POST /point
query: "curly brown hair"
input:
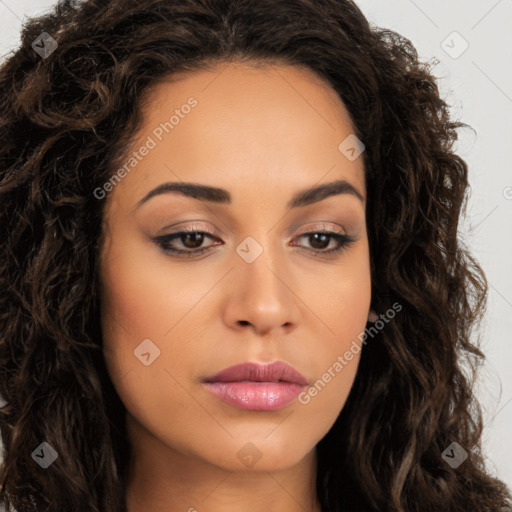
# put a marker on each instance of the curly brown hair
(67, 119)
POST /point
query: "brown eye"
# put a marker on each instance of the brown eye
(320, 240)
(191, 240)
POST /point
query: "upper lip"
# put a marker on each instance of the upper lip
(271, 372)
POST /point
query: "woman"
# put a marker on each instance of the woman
(231, 274)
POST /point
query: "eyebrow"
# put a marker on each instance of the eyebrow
(222, 196)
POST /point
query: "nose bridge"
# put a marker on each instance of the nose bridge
(260, 266)
(262, 292)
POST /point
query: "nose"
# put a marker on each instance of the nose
(263, 296)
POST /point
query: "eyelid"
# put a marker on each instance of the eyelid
(325, 226)
(313, 226)
(173, 228)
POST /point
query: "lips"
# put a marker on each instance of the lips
(256, 386)
(273, 372)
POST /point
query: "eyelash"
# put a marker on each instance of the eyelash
(344, 241)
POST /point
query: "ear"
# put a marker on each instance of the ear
(372, 317)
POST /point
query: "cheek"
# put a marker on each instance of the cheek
(336, 361)
(342, 304)
(327, 395)
(145, 293)
(140, 298)
(129, 309)
(341, 299)
(141, 301)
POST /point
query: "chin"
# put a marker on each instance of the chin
(258, 456)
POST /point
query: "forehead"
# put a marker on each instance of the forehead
(235, 125)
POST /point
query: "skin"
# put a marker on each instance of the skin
(262, 133)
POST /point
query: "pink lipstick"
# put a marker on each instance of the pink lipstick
(258, 387)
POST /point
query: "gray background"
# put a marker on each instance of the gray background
(477, 83)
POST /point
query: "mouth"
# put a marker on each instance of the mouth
(258, 387)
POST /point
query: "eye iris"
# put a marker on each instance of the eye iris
(197, 239)
(315, 237)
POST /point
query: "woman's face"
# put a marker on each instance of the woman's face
(259, 292)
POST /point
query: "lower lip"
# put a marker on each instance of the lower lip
(256, 396)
